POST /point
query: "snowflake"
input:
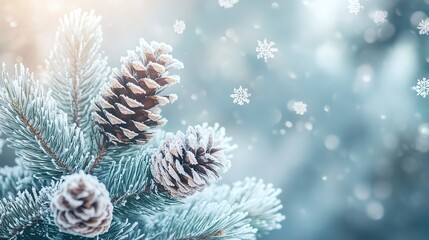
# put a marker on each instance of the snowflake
(300, 108)
(379, 16)
(354, 6)
(423, 27)
(265, 49)
(422, 87)
(227, 3)
(179, 27)
(241, 96)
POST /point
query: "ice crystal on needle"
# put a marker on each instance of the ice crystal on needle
(265, 49)
(241, 96)
(422, 87)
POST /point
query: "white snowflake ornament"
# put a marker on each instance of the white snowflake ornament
(423, 27)
(354, 7)
(422, 87)
(266, 49)
(379, 16)
(300, 108)
(179, 27)
(227, 3)
(241, 96)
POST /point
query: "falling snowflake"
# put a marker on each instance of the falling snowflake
(423, 27)
(354, 6)
(227, 3)
(422, 87)
(300, 108)
(240, 96)
(265, 49)
(179, 27)
(379, 16)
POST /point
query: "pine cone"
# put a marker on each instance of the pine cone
(82, 206)
(128, 111)
(186, 163)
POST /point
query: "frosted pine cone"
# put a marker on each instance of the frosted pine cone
(82, 206)
(128, 111)
(186, 163)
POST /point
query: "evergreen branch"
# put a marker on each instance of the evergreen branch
(40, 139)
(131, 190)
(13, 180)
(34, 126)
(119, 230)
(77, 67)
(252, 196)
(20, 214)
(200, 220)
(100, 154)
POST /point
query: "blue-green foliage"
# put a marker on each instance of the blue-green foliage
(201, 220)
(129, 183)
(52, 139)
(13, 180)
(48, 145)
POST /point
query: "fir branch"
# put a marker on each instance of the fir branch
(77, 67)
(13, 180)
(40, 139)
(129, 183)
(252, 196)
(37, 129)
(20, 214)
(200, 220)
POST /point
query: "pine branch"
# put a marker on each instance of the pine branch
(129, 183)
(13, 180)
(77, 67)
(20, 214)
(252, 196)
(200, 220)
(48, 146)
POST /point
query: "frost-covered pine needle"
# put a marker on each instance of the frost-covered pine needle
(266, 49)
(300, 108)
(423, 27)
(227, 3)
(354, 6)
(422, 87)
(241, 96)
(179, 27)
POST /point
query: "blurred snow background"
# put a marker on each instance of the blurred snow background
(353, 167)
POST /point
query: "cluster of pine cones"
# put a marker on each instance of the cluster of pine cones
(128, 112)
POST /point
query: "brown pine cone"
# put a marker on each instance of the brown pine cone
(82, 206)
(128, 110)
(186, 163)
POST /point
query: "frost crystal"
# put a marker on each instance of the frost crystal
(422, 87)
(265, 49)
(241, 96)
(354, 6)
(379, 16)
(179, 27)
(227, 3)
(423, 27)
(300, 108)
